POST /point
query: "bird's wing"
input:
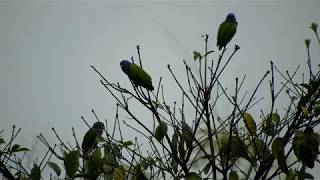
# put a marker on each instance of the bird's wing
(226, 32)
(139, 76)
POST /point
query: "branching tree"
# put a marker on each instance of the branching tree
(186, 138)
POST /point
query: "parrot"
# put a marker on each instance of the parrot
(136, 74)
(226, 31)
(90, 138)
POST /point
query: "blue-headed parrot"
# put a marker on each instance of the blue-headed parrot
(90, 140)
(226, 31)
(136, 74)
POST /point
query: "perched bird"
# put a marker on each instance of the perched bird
(226, 31)
(89, 141)
(136, 74)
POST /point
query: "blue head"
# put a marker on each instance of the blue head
(98, 127)
(125, 66)
(231, 17)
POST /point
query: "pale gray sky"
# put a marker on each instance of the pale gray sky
(46, 50)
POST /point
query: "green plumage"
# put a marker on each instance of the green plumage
(89, 141)
(140, 77)
(226, 31)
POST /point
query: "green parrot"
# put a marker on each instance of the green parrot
(90, 138)
(226, 31)
(136, 74)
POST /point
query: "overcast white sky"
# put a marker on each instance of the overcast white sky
(46, 50)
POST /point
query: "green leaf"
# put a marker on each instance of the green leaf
(268, 127)
(161, 131)
(96, 155)
(71, 162)
(14, 148)
(314, 26)
(174, 165)
(119, 173)
(110, 159)
(196, 55)
(127, 143)
(233, 175)
(236, 145)
(308, 176)
(2, 141)
(275, 118)
(306, 146)
(269, 124)
(55, 168)
(305, 111)
(302, 174)
(297, 143)
(193, 176)
(175, 142)
(223, 138)
(23, 149)
(233, 146)
(307, 86)
(278, 153)
(261, 151)
(94, 164)
(112, 148)
(291, 175)
(250, 124)
(187, 134)
(182, 151)
(310, 148)
(233, 149)
(35, 172)
(307, 42)
(206, 169)
(94, 169)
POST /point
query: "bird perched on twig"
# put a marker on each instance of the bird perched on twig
(136, 74)
(227, 30)
(90, 140)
